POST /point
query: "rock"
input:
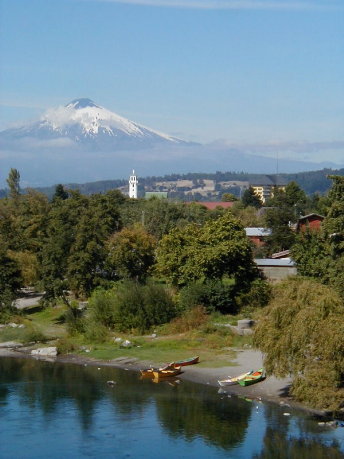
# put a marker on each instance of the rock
(2, 325)
(126, 343)
(154, 335)
(118, 340)
(21, 326)
(13, 325)
(10, 345)
(111, 383)
(45, 351)
(245, 323)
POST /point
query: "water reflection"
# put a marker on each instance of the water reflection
(182, 412)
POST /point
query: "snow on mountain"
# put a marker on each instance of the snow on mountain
(83, 121)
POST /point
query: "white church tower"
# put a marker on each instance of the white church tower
(133, 186)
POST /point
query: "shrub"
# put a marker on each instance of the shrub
(66, 345)
(257, 297)
(102, 305)
(189, 320)
(213, 295)
(95, 332)
(139, 307)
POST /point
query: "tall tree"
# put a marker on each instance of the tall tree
(130, 253)
(13, 182)
(279, 218)
(218, 248)
(10, 279)
(249, 198)
(301, 332)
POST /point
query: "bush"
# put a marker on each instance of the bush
(73, 319)
(129, 306)
(189, 320)
(96, 332)
(34, 335)
(213, 295)
(102, 305)
(258, 296)
(65, 345)
(139, 307)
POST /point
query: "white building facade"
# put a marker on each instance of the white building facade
(133, 182)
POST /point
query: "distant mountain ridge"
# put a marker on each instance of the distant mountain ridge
(84, 142)
(311, 181)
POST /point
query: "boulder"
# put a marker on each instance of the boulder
(245, 323)
(126, 343)
(10, 345)
(45, 352)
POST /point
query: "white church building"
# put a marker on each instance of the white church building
(133, 182)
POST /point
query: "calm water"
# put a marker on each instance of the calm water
(68, 411)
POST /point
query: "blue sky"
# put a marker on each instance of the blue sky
(261, 75)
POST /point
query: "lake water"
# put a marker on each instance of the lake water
(68, 411)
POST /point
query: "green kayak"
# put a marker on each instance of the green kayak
(253, 378)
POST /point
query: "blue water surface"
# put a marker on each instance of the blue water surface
(54, 410)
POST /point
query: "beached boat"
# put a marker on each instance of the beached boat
(149, 372)
(253, 378)
(235, 380)
(184, 363)
(159, 374)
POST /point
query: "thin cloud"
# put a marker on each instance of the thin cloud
(231, 4)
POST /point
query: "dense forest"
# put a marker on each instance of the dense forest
(141, 263)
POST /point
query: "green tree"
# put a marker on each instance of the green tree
(249, 198)
(301, 332)
(60, 193)
(13, 182)
(228, 197)
(218, 248)
(279, 218)
(10, 280)
(86, 262)
(130, 253)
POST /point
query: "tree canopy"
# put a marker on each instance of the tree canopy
(301, 332)
(218, 248)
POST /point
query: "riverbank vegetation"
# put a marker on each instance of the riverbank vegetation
(177, 271)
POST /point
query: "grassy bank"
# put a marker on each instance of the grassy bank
(211, 340)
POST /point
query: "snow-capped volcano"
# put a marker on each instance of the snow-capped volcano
(83, 121)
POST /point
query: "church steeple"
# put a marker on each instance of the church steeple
(133, 186)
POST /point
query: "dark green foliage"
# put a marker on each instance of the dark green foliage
(213, 295)
(131, 306)
(278, 218)
(249, 198)
(13, 182)
(257, 296)
(218, 248)
(60, 193)
(10, 280)
(130, 254)
(301, 332)
(320, 254)
(141, 307)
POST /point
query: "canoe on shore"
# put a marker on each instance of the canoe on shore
(253, 378)
(160, 374)
(184, 363)
(235, 380)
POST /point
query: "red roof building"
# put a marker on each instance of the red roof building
(309, 222)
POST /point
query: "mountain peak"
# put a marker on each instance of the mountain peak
(82, 103)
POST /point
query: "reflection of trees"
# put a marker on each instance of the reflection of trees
(194, 411)
(279, 443)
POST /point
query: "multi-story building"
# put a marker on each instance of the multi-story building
(264, 186)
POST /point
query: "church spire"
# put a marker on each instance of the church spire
(133, 186)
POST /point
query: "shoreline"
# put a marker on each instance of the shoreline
(270, 390)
